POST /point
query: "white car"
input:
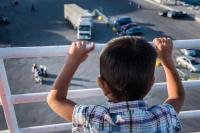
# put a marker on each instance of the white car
(182, 75)
(190, 52)
(190, 63)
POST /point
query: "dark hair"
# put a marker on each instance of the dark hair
(127, 65)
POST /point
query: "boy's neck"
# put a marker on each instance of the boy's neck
(114, 100)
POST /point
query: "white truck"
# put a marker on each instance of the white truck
(80, 19)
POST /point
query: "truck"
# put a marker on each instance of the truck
(80, 19)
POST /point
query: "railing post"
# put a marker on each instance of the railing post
(5, 95)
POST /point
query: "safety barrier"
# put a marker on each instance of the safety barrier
(8, 100)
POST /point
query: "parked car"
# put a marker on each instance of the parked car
(127, 26)
(3, 20)
(191, 52)
(189, 63)
(134, 31)
(163, 13)
(122, 21)
(172, 14)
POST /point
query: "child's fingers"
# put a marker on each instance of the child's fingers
(73, 44)
(78, 44)
(158, 43)
(83, 44)
(91, 47)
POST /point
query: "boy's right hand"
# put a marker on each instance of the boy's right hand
(164, 48)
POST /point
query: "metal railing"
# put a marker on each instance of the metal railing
(8, 100)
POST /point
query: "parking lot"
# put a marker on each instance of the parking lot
(46, 26)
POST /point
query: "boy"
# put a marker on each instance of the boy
(126, 75)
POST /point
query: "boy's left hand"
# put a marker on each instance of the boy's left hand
(79, 52)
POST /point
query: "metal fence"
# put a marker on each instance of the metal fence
(7, 100)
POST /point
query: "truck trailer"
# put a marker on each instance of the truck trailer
(81, 20)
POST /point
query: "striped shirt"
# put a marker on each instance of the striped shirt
(125, 117)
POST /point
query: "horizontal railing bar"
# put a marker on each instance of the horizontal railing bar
(4, 131)
(189, 114)
(67, 126)
(50, 51)
(39, 51)
(47, 128)
(41, 96)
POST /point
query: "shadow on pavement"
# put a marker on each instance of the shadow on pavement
(50, 83)
(53, 76)
(145, 24)
(150, 33)
(81, 79)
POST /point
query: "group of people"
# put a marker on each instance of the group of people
(39, 72)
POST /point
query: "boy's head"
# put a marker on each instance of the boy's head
(127, 68)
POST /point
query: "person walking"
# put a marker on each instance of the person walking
(32, 8)
(41, 70)
(34, 67)
(45, 71)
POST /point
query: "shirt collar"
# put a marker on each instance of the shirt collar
(123, 106)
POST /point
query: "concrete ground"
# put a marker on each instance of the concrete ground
(46, 26)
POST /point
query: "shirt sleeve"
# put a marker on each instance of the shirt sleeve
(80, 115)
(174, 118)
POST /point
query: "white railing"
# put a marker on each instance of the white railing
(8, 100)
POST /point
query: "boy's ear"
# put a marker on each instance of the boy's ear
(103, 85)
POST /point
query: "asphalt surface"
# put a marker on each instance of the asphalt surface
(46, 26)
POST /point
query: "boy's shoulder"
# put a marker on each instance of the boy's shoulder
(162, 107)
(92, 110)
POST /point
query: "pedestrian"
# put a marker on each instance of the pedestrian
(45, 71)
(16, 2)
(130, 3)
(34, 67)
(139, 6)
(36, 73)
(33, 8)
(37, 77)
(108, 22)
(41, 70)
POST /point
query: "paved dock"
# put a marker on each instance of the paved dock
(46, 26)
